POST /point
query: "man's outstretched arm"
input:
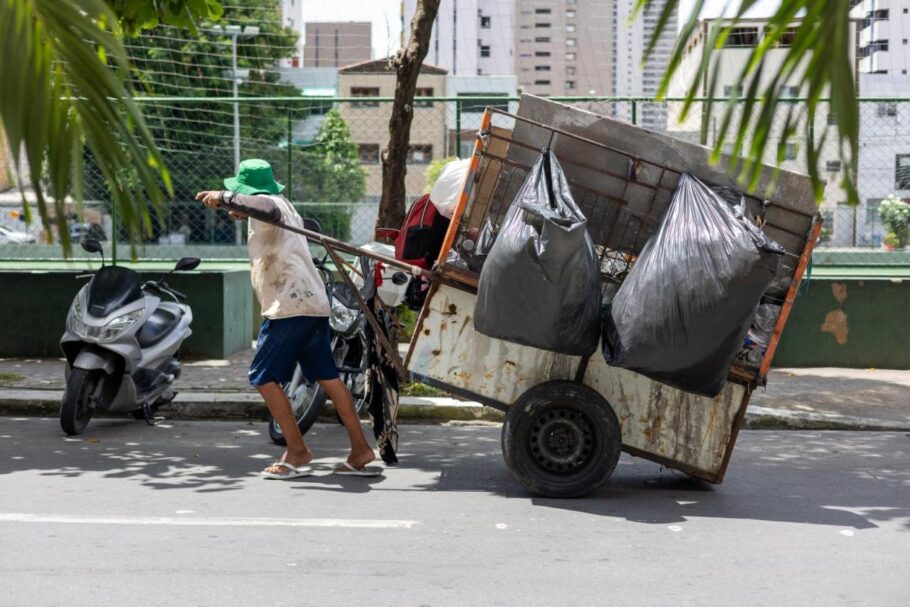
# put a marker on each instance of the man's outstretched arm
(242, 205)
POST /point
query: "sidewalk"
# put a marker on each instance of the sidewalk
(820, 398)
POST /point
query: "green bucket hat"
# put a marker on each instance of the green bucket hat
(254, 176)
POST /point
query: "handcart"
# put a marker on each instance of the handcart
(568, 417)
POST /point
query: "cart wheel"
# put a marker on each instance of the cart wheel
(561, 439)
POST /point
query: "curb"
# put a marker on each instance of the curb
(191, 405)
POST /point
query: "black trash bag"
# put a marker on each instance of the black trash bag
(681, 314)
(540, 284)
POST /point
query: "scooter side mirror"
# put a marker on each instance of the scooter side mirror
(91, 245)
(187, 263)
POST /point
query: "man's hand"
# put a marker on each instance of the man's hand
(213, 199)
(210, 199)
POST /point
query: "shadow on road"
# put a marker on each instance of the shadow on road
(855, 480)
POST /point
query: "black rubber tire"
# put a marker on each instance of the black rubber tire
(305, 422)
(75, 411)
(561, 439)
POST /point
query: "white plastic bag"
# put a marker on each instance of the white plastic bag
(446, 189)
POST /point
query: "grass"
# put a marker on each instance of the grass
(421, 390)
(7, 379)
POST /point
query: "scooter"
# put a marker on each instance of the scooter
(121, 342)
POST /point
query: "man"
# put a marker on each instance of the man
(295, 310)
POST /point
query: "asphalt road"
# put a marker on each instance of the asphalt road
(175, 515)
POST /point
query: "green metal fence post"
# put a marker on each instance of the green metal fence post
(288, 175)
(115, 232)
(634, 112)
(457, 129)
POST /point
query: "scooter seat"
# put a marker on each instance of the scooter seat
(156, 327)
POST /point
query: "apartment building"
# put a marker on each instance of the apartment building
(732, 58)
(337, 44)
(630, 79)
(564, 47)
(292, 18)
(369, 120)
(470, 37)
(884, 36)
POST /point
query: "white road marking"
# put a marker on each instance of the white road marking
(76, 519)
(674, 528)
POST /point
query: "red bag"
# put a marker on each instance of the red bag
(420, 237)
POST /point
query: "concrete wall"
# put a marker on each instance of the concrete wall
(34, 305)
(849, 323)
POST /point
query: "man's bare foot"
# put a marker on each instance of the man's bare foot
(297, 459)
(358, 459)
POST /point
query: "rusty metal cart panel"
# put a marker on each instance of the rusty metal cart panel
(623, 178)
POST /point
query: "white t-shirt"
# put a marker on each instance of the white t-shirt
(284, 277)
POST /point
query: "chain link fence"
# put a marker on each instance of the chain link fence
(326, 151)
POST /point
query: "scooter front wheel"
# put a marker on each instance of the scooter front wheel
(76, 409)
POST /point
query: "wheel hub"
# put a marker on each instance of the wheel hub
(561, 441)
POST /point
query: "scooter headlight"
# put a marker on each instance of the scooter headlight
(342, 317)
(111, 331)
(116, 327)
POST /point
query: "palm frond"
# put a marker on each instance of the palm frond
(820, 56)
(63, 67)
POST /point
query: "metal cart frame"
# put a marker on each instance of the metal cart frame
(683, 431)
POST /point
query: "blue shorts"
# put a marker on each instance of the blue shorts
(286, 342)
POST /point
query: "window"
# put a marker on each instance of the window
(902, 172)
(833, 166)
(478, 107)
(542, 39)
(570, 85)
(542, 25)
(541, 68)
(369, 153)
(542, 82)
(365, 91)
(484, 23)
(484, 50)
(570, 71)
(886, 109)
(788, 91)
(570, 56)
(742, 37)
(790, 151)
(570, 27)
(731, 91)
(570, 14)
(880, 15)
(576, 2)
(542, 11)
(423, 92)
(570, 41)
(420, 154)
(542, 53)
(786, 38)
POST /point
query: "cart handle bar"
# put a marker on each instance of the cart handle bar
(329, 242)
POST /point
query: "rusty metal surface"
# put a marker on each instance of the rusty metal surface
(685, 431)
(669, 423)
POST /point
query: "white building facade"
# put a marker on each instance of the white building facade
(884, 36)
(470, 37)
(630, 79)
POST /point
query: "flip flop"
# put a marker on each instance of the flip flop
(349, 470)
(293, 472)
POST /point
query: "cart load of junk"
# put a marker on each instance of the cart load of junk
(610, 289)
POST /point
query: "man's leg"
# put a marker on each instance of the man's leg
(361, 452)
(276, 400)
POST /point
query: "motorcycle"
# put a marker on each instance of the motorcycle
(120, 344)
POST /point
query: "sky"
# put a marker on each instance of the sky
(385, 15)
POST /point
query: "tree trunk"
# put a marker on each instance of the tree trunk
(407, 63)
